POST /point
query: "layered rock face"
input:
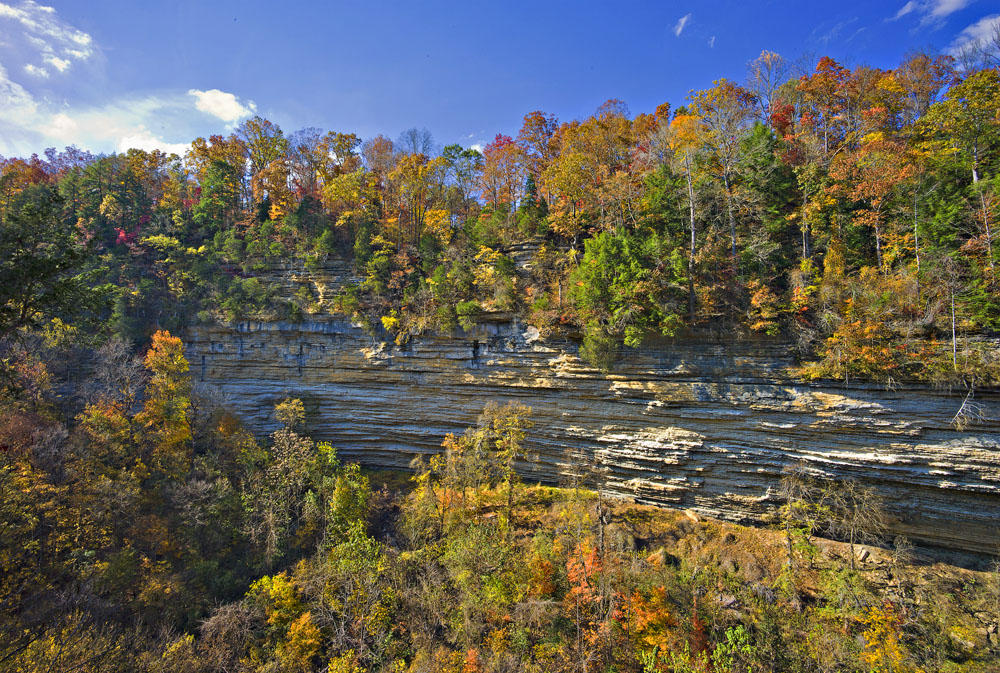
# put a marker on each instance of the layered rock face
(699, 424)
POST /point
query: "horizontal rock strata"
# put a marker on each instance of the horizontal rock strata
(697, 424)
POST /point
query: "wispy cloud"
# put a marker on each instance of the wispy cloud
(681, 22)
(835, 32)
(15, 101)
(57, 44)
(980, 31)
(39, 46)
(931, 11)
(711, 42)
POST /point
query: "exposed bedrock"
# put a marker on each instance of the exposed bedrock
(697, 424)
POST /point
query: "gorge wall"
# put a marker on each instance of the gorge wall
(699, 424)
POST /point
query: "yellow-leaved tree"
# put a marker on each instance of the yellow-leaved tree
(164, 416)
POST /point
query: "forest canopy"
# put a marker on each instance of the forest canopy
(851, 210)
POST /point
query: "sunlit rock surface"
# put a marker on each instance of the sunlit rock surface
(694, 424)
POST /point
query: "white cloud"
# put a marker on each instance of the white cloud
(35, 71)
(60, 64)
(62, 126)
(476, 146)
(711, 42)
(931, 11)
(981, 31)
(142, 139)
(681, 22)
(222, 105)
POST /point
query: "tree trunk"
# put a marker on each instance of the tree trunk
(916, 241)
(954, 343)
(600, 520)
(690, 186)
(878, 246)
(986, 224)
(805, 227)
(732, 220)
(510, 504)
(982, 205)
(788, 545)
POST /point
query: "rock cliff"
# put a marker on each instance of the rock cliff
(706, 425)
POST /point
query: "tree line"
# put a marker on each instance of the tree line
(852, 210)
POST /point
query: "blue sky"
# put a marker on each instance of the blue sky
(109, 74)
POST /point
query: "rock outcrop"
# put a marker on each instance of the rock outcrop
(696, 424)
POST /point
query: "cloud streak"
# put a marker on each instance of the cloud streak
(681, 22)
(931, 11)
(836, 31)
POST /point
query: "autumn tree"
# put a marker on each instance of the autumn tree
(16, 175)
(966, 121)
(504, 429)
(922, 78)
(218, 206)
(537, 140)
(502, 176)
(265, 142)
(462, 169)
(379, 156)
(857, 514)
(316, 158)
(417, 181)
(869, 176)
(685, 141)
(232, 151)
(765, 76)
(266, 164)
(164, 414)
(824, 101)
(726, 111)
